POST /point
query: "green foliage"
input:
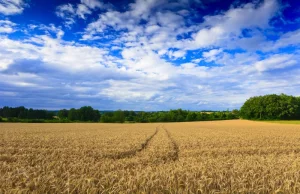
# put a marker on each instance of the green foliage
(88, 114)
(119, 116)
(163, 116)
(235, 112)
(85, 113)
(63, 114)
(24, 113)
(191, 116)
(73, 114)
(13, 119)
(107, 117)
(271, 107)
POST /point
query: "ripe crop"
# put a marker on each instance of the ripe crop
(197, 157)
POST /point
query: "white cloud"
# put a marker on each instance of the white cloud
(69, 12)
(7, 26)
(49, 29)
(11, 50)
(285, 40)
(142, 8)
(54, 52)
(162, 26)
(21, 79)
(133, 90)
(66, 12)
(113, 19)
(197, 60)
(208, 37)
(11, 7)
(4, 63)
(227, 26)
(212, 54)
(70, 57)
(161, 31)
(148, 63)
(275, 62)
(82, 10)
(93, 4)
(177, 54)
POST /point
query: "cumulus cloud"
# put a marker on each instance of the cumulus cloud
(160, 25)
(11, 7)
(169, 29)
(148, 63)
(51, 51)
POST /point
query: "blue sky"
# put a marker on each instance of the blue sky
(147, 54)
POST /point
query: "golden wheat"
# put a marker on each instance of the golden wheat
(197, 157)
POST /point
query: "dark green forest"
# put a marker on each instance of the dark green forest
(268, 107)
(22, 113)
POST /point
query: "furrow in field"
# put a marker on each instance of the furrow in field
(134, 151)
(175, 148)
(161, 149)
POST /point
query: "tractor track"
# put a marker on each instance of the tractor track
(133, 152)
(171, 155)
(174, 155)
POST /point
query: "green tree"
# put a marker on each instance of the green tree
(73, 114)
(63, 114)
(236, 112)
(119, 116)
(191, 116)
(271, 107)
(107, 117)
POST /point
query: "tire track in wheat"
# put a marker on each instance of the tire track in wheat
(162, 149)
(133, 152)
(174, 154)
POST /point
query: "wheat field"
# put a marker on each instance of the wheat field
(198, 157)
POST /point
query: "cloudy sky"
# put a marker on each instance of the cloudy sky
(147, 54)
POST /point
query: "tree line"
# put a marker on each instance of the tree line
(88, 114)
(271, 107)
(178, 115)
(21, 112)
